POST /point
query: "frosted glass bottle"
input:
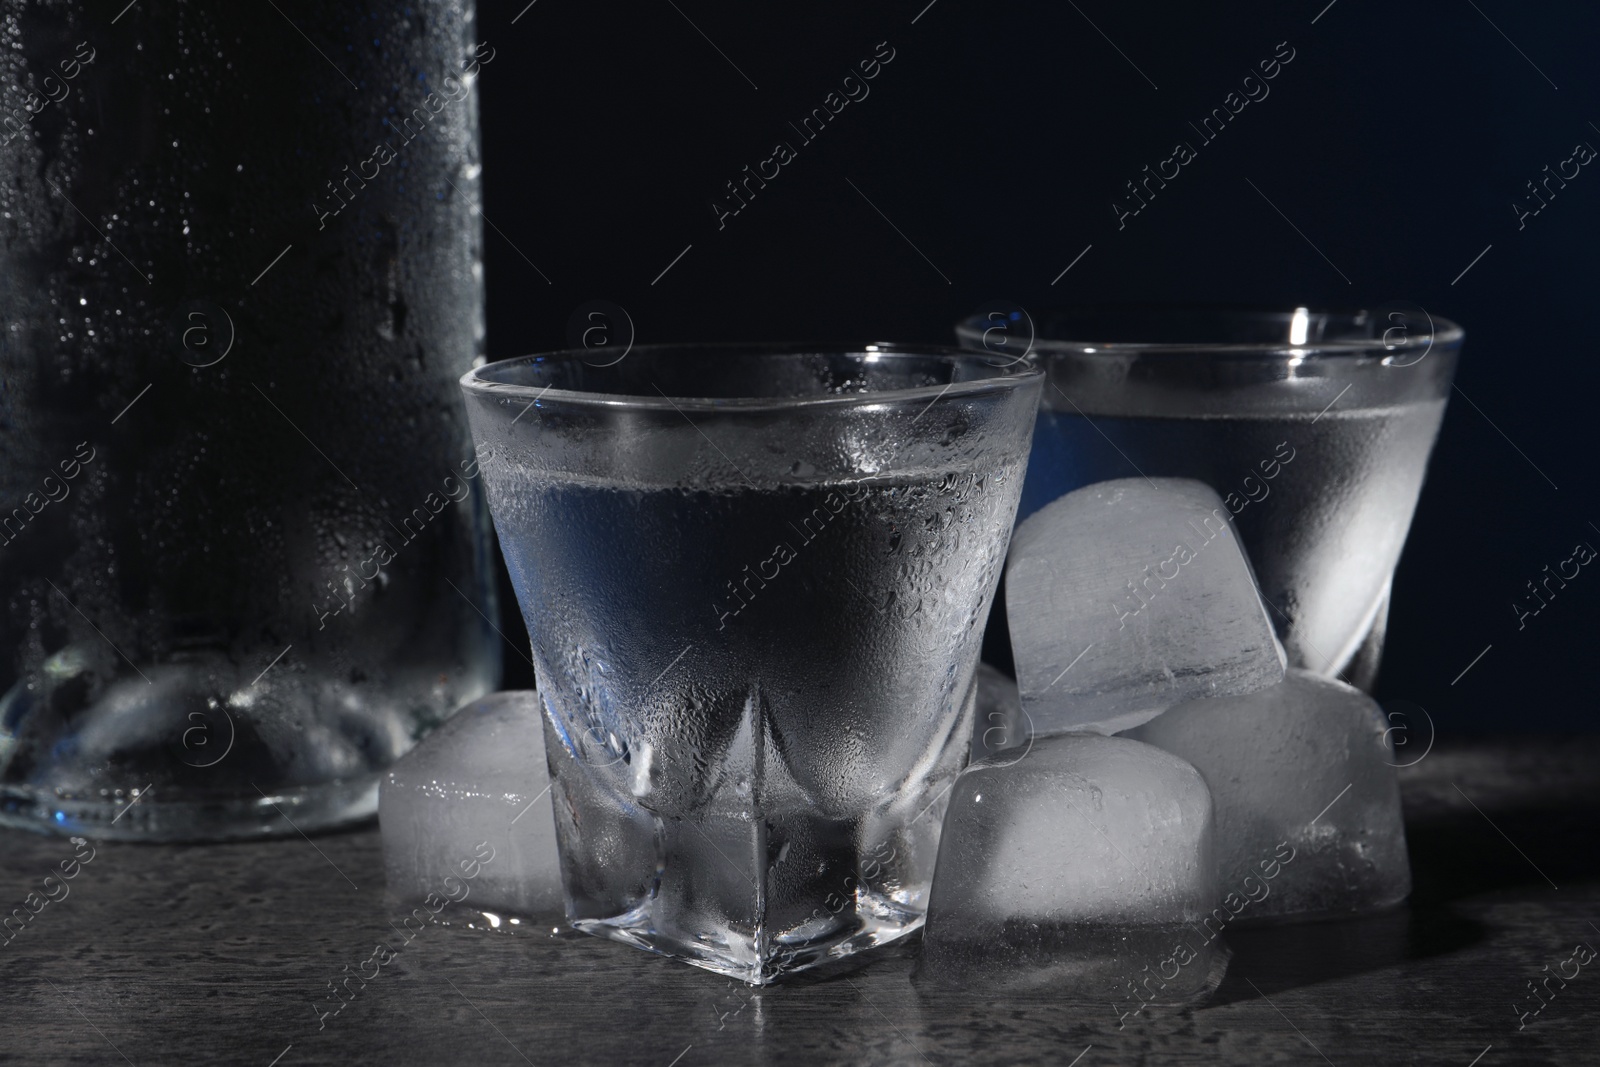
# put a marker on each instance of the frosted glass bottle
(243, 556)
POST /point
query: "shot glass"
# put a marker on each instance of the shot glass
(755, 578)
(1314, 427)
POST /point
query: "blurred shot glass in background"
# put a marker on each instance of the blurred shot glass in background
(756, 579)
(1315, 428)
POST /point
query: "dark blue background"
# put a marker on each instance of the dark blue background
(996, 140)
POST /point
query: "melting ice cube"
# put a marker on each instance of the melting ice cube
(480, 777)
(1303, 770)
(1127, 597)
(1084, 867)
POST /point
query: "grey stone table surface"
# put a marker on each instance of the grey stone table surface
(216, 955)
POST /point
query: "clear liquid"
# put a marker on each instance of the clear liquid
(754, 696)
(1323, 532)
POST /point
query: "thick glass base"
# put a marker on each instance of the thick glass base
(748, 880)
(146, 817)
(757, 960)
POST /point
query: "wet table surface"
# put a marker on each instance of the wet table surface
(216, 954)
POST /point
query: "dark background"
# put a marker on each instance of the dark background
(1397, 140)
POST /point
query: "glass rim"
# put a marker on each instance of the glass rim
(1442, 331)
(1011, 374)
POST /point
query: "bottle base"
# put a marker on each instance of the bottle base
(146, 817)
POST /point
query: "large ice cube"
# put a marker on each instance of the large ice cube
(1302, 770)
(480, 777)
(1085, 867)
(1127, 597)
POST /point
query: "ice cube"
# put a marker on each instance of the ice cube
(479, 778)
(999, 723)
(1085, 867)
(1303, 778)
(1127, 597)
